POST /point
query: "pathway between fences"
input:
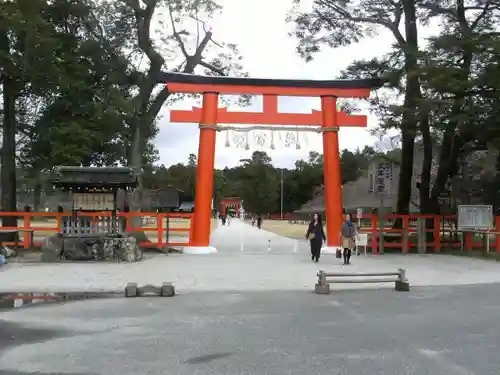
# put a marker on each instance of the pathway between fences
(241, 237)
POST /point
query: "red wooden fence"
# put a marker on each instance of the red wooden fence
(162, 226)
(444, 235)
(403, 238)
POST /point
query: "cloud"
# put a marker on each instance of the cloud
(259, 29)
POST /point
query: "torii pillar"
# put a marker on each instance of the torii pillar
(329, 118)
(332, 178)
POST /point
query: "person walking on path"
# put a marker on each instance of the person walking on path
(316, 236)
(348, 234)
(259, 221)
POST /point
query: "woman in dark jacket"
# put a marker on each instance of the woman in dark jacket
(316, 236)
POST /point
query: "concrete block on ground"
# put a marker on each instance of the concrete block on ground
(131, 290)
(50, 257)
(402, 286)
(167, 290)
(322, 289)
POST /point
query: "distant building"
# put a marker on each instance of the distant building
(362, 192)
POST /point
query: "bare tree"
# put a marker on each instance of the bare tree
(184, 43)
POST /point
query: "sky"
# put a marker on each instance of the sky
(259, 29)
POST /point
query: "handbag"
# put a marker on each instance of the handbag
(338, 254)
(311, 236)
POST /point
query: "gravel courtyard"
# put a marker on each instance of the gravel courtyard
(249, 309)
(431, 330)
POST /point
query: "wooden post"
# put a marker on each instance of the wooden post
(497, 236)
(205, 172)
(159, 230)
(332, 177)
(437, 233)
(405, 234)
(375, 236)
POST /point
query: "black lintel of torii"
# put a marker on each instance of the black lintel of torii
(369, 83)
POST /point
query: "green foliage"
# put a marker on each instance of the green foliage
(259, 183)
(450, 87)
(77, 82)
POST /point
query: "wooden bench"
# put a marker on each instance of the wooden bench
(400, 281)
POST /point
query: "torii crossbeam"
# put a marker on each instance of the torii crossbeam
(210, 115)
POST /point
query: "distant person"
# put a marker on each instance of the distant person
(222, 219)
(253, 220)
(316, 236)
(259, 221)
(348, 234)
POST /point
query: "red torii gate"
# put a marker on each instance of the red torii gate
(230, 202)
(210, 115)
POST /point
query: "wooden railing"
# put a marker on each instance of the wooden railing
(440, 233)
(164, 226)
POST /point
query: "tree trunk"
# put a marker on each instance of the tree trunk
(425, 178)
(8, 156)
(408, 123)
(451, 150)
(455, 136)
(37, 195)
(134, 157)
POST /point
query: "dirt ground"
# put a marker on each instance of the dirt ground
(284, 228)
(287, 229)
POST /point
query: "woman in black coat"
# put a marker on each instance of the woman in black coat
(316, 236)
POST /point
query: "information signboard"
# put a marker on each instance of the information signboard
(383, 178)
(93, 201)
(475, 217)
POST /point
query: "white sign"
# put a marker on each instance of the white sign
(359, 213)
(475, 217)
(94, 202)
(362, 239)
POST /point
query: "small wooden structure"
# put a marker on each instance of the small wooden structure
(93, 190)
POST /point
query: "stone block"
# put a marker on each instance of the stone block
(48, 256)
(322, 289)
(131, 290)
(167, 290)
(402, 286)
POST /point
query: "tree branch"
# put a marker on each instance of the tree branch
(392, 26)
(157, 103)
(213, 68)
(481, 15)
(175, 34)
(143, 23)
(437, 10)
(194, 60)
